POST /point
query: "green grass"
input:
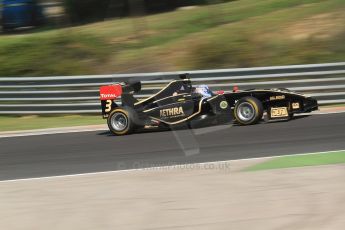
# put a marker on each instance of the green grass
(8, 123)
(242, 33)
(301, 161)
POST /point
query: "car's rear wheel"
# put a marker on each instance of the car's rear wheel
(120, 121)
(248, 111)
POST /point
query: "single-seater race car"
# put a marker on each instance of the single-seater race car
(180, 104)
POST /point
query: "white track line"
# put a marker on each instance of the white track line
(161, 167)
(49, 132)
(325, 113)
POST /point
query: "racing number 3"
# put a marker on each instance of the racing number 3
(108, 106)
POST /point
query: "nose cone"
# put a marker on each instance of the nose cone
(310, 104)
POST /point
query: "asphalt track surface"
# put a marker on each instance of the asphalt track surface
(87, 152)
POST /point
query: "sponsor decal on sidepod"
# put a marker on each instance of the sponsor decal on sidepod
(172, 112)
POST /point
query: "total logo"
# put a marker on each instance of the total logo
(108, 96)
(110, 92)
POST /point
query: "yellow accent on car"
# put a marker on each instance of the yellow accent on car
(279, 112)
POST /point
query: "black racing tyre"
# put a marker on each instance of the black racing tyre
(248, 111)
(120, 121)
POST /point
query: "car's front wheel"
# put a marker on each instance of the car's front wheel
(120, 121)
(248, 111)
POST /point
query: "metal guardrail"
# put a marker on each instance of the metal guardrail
(79, 94)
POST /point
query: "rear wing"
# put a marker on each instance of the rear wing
(108, 94)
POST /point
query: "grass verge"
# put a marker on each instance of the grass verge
(8, 123)
(243, 33)
(301, 161)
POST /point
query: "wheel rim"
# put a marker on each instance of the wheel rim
(246, 111)
(119, 121)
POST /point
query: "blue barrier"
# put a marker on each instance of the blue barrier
(21, 13)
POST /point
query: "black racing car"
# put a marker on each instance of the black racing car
(180, 104)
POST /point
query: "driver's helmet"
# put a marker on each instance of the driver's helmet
(204, 90)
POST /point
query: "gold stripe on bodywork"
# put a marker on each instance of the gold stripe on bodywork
(157, 93)
(212, 98)
(185, 119)
(148, 110)
(170, 97)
